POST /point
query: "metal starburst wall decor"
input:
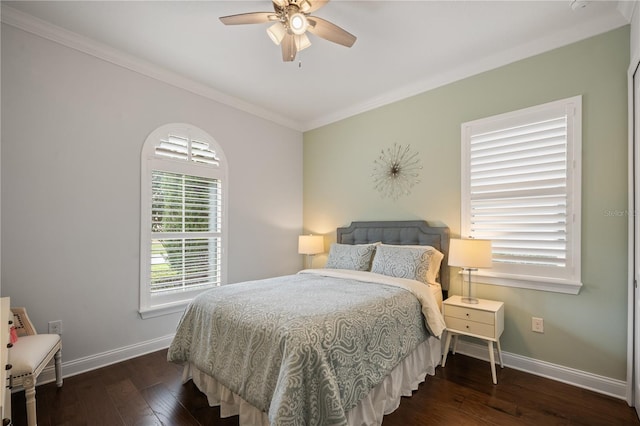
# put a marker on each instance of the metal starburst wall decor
(396, 171)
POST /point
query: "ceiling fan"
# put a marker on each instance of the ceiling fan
(292, 20)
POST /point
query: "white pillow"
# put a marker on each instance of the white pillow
(356, 257)
(420, 263)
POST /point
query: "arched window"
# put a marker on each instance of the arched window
(183, 217)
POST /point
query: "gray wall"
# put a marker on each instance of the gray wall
(72, 131)
(586, 332)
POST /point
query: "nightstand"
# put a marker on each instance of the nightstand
(483, 320)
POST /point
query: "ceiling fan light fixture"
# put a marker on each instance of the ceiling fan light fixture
(302, 41)
(298, 23)
(281, 3)
(277, 32)
(290, 22)
(305, 6)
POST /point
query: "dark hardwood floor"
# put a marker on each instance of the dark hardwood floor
(148, 391)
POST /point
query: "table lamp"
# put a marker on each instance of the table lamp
(470, 254)
(310, 245)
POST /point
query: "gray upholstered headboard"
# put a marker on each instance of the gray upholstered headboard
(403, 232)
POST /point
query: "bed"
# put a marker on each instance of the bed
(338, 345)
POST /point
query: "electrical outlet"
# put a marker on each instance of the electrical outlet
(537, 325)
(55, 327)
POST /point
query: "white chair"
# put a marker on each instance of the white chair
(29, 356)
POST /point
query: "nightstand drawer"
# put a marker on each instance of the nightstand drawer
(470, 314)
(471, 327)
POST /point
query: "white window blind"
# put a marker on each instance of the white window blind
(183, 218)
(185, 224)
(521, 190)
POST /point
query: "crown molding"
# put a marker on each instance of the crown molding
(627, 8)
(552, 41)
(46, 30)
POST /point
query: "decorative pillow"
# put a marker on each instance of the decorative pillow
(356, 257)
(420, 263)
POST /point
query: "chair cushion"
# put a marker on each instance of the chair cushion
(30, 351)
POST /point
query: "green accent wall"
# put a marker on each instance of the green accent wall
(587, 331)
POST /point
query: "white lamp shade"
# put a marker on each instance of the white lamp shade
(470, 253)
(305, 6)
(310, 244)
(302, 41)
(277, 32)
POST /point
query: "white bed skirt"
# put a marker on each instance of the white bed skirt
(383, 399)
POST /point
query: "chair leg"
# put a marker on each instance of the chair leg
(29, 385)
(58, 366)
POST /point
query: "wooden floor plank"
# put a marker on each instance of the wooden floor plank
(97, 405)
(130, 404)
(149, 391)
(66, 406)
(165, 406)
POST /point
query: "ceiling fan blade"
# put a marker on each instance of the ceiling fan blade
(249, 18)
(316, 4)
(329, 31)
(288, 48)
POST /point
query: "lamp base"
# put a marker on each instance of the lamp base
(469, 299)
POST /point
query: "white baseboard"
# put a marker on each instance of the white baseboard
(594, 382)
(92, 362)
(571, 376)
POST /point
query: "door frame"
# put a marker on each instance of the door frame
(633, 310)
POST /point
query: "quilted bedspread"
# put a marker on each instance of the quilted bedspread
(307, 347)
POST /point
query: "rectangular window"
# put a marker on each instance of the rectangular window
(185, 226)
(521, 190)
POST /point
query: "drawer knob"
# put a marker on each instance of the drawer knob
(10, 322)
(8, 367)
(467, 326)
(467, 314)
(9, 345)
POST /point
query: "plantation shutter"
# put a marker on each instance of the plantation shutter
(182, 148)
(518, 187)
(521, 190)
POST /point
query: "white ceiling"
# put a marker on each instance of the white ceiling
(403, 47)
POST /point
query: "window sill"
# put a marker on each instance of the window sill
(167, 309)
(528, 282)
